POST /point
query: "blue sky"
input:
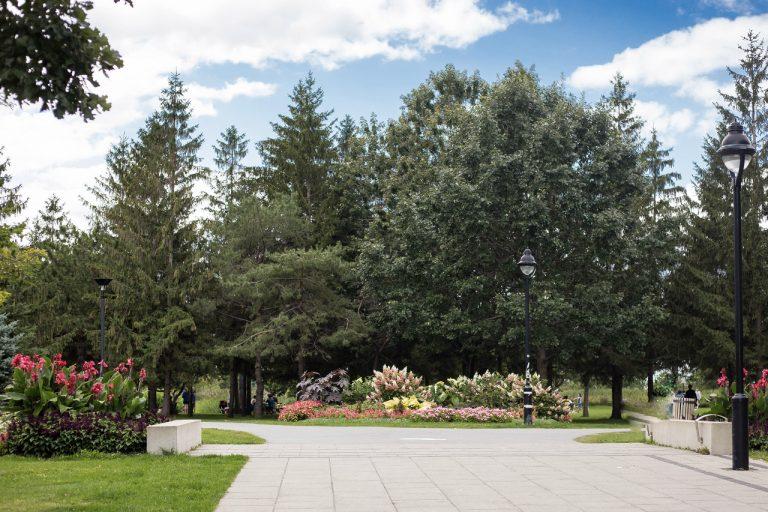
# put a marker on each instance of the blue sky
(241, 59)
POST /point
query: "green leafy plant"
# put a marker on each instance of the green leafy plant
(358, 390)
(41, 384)
(53, 433)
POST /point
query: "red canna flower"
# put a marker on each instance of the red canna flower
(142, 374)
(97, 388)
(61, 379)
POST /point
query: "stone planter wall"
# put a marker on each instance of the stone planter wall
(692, 435)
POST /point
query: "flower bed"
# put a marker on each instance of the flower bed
(757, 393)
(304, 410)
(468, 414)
(493, 390)
(64, 433)
(59, 409)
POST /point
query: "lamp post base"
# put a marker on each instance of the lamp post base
(740, 433)
(528, 404)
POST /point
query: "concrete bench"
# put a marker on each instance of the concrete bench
(178, 436)
(714, 436)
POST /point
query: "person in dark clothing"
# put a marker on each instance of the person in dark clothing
(691, 394)
(271, 407)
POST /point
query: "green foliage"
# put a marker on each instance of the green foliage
(51, 54)
(9, 346)
(494, 390)
(40, 384)
(54, 434)
(359, 390)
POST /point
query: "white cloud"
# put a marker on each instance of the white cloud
(683, 59)
(156, 37)
(203, 98)
(669, 123)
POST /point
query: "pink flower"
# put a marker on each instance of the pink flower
(72, 384)
(122, 368)
(745, 372)
(129, 363)
(90, 368)
(58, 361)
(110, 397)
(61, 379)
(142, 374)
(97, 388)
(16, 361)
(103, 364)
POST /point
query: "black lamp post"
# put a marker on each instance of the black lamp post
(527, 266)
(736, 152)
(102, 282)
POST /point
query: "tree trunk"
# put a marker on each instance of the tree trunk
(541, 364)
(259, 378)
(243, 398)
(550, 372)
(651, 396)
(248, 391)
(152, 397)
(617, 385)
(585, 401)
(300, 363)
(232, 388)
(167, 392)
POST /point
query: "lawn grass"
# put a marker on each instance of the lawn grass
(631, 436)
(759, 454)
(221, 436)
(599, 418)
(116, 483)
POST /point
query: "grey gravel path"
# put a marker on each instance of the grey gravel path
(368, 469)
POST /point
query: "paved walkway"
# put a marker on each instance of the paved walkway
(366, 469)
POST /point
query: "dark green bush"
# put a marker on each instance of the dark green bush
(63, 434)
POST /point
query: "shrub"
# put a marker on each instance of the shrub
(40, 385)
(358, 391)
(404, 403)
(392, 382)
(469, 414)
(758, 435)
(54, 433)
(300, 410)
(328, 389)
(756, 391)
(495, 391)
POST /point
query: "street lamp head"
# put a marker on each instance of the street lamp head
(103, 281)
(735, 145)
(527, 263)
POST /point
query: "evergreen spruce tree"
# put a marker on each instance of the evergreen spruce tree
(749, 105)
(17, 263)
(9, 346)
(301, 157)
(59, 308)
(230, 180)
(660, 236)
(621, 103)
(149, 239)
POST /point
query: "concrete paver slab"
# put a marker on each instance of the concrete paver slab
(368, 469)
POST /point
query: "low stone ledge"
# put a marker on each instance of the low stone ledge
(178, 436)
(711, 436)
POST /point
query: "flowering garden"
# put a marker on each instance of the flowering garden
(756, 388)
(398, 394)
(59, 409)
